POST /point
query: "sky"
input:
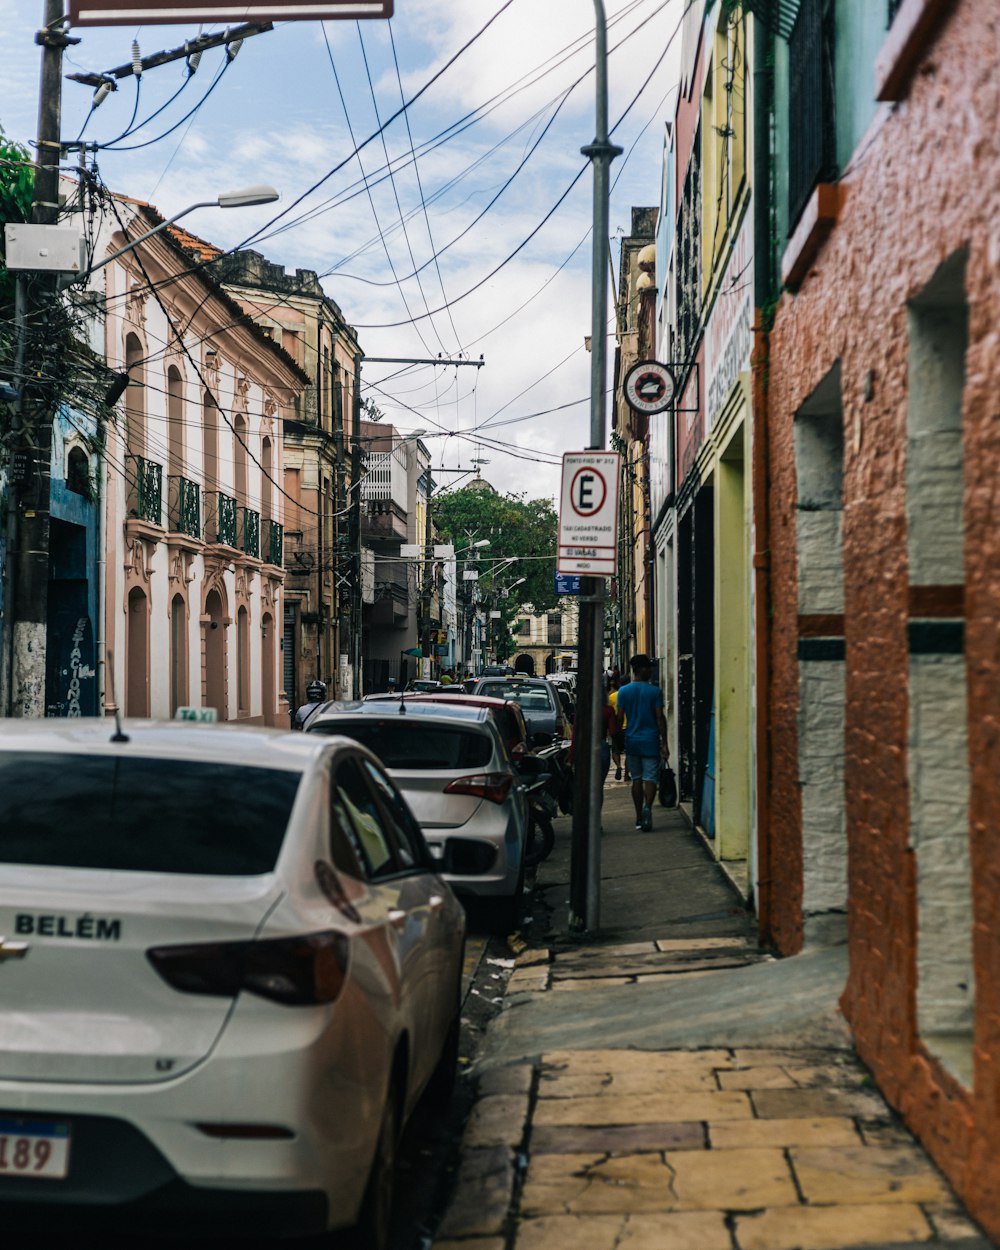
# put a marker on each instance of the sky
(510, 281)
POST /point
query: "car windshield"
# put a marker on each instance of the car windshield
(138, 814)
(531, 698)
(401, 743)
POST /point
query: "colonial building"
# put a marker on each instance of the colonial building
(192, 497)
(321, 580)
(547, 642)
(700, 449)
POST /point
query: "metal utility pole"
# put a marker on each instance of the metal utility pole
(585, 865)
(28, 609)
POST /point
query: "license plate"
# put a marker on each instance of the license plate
(34, 1148)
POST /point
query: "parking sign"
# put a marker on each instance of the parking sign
(588, 514)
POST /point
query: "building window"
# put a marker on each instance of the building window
(524, 628)
(689, 256)
(78, 472)
(811, 136)
(554, 625)
(243, 659)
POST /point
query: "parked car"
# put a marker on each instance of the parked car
(453, 767)
(537, 699)
(507, 714)
(497, 670)
(230, 969)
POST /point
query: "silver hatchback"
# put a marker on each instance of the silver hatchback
(457, 776)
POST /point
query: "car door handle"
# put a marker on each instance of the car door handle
(397, 917)
(436, 902)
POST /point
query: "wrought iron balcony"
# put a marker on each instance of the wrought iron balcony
(184, 506)
(145, 490)
(275, 543)
(225, 519)
(250, 532)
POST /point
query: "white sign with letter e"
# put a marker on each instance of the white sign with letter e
(588, 513)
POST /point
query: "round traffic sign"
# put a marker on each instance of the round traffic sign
(588, 491)
(649, 387)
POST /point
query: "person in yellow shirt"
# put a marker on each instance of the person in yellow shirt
(618, 740)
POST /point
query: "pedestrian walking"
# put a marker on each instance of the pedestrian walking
(618, 737)
(640, 715)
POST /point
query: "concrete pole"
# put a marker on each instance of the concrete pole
(30, 591)
(585, 867)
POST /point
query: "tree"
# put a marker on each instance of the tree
(17, 184)
(525, 530)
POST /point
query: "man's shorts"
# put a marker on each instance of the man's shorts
(643, 767)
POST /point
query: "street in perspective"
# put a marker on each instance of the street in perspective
(499, 599)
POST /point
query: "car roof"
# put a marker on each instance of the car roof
(248, 745)
(515, 679)
(413, 707)
(465, 700)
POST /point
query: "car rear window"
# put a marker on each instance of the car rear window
(137, 814)
(531, 698)
(402, 743)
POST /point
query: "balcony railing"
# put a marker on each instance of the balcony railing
(384, 481)
(145, 490)
(250, 532)
(275, 543)
(184, 506)
(220, 519)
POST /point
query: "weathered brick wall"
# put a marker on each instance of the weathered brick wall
(922, 187)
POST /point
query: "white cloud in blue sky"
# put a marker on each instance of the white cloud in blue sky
(276, 117)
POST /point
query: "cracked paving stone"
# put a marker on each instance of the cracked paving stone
(950, 1222)
(679, 945)
(532, 957)
(757, 1078)
(823, 1131)
(788, 1104)
(513, 1080)
(617, 1139)
(867, 1174)
(593, 1084)
(644, 1109)
(496, 1120)
(482, 1194)
(590, 983)
(831, 1228)
(528, 980)
(649, 1062)
(682, 1230)
(729, 1180)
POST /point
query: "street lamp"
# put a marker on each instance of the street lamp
(245, 198)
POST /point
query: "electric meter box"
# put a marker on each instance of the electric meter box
(45, 249)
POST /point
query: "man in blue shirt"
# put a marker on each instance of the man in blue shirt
(640, 713)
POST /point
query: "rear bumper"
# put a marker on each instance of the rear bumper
(504, 831)
(119, 1182)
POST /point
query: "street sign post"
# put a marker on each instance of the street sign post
(567, 584)
(588, 514)
(172, 12)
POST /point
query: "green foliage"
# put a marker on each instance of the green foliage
(17, 184)
(515, 526)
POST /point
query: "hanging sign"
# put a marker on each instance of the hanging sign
(649, 387)
(588, 513)
(172, 12)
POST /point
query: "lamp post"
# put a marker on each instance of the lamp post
(585, 864)
(245, 198)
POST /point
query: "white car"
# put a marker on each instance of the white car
(228, 969)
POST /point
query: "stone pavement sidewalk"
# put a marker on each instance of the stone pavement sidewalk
(668, 1087)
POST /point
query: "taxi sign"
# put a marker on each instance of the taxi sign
(588, 513)
(205, 715)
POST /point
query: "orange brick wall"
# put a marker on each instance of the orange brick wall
(924, 185)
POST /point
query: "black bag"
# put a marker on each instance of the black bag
(668, 786)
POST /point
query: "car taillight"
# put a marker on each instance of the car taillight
(492, 786)
(297, 971)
